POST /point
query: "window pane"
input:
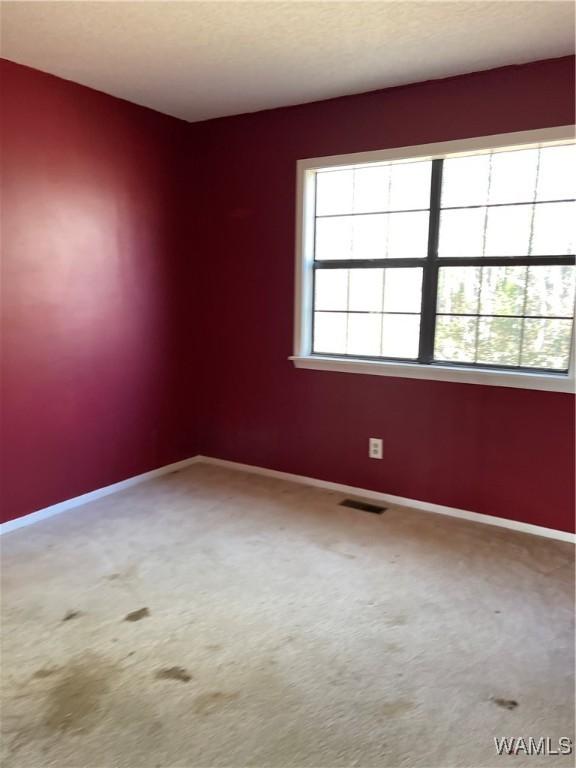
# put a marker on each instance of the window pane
(407, 235)
(513, 176)
(403, 290)
(458, 290)
(364, 335)
(410, 185)
(484, 231)
(331, 289)
(394, 187)
(462, 232)
(554, 229)
(557, 173)
(369, 237)
(508, 231)
(334, 192)
(378, 188)
(330, 332)
(334, 238)
(503, 290)
(365, 290)
(546, 343)
(465, 181)
(400, 335)
(499, 341)
(371, 189)
(372, 236)
(455, 339)
(494, 178)
(551, 291)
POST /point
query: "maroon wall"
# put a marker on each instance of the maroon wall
(148, 274)
(504, 452)
(92, 290)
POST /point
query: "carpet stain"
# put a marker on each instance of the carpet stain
(396, 708)
(74, 702)
(173, 673)
(210, 702)
(505, 703)
(397, 621)
(40, 674)
(214, 647)
(128, 573)
(141, 613)
(332, 546)
(72, 615)
(285, 641)
(329, 545)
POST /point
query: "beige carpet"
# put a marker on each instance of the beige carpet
(214, 618)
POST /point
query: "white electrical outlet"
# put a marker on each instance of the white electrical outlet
(375, 448)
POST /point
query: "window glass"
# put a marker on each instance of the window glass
(483, 272)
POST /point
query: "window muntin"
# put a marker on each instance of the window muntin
(466, 260)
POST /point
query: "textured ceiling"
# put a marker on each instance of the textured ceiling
(197, 60)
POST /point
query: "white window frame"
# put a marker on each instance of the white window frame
(305, 194)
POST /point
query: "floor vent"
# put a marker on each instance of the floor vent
(363, 506)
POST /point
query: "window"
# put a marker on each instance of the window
(441, 264)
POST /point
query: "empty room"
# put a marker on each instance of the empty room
(287, 383)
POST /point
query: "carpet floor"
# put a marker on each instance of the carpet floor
(214, 618)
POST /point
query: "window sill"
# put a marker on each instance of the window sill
(518, 379)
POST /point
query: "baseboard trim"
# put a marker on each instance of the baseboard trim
(422, 506)
(99, 493)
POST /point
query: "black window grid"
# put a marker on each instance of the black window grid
(431, 264)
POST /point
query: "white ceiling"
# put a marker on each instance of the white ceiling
(199, 59)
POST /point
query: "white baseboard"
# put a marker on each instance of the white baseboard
(77, 501)
(422, 506)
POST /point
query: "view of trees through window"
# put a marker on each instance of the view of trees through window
(464, 260)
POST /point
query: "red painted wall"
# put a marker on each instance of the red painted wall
(504, 452)
(148, 275)
(92, 296)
